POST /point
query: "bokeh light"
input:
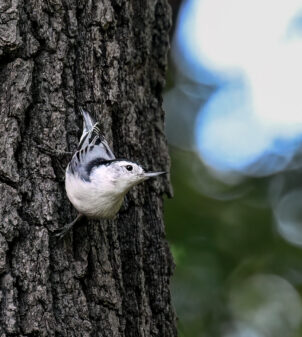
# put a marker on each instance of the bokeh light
(251, 52)
(268, 303)
(288, 213)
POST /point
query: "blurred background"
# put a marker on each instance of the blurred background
(234, 124)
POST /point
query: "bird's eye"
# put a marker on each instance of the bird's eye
(129, 167)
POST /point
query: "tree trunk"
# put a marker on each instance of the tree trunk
(106, 278)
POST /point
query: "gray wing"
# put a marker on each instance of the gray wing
(93, 146)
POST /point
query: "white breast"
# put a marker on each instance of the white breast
(95, 199)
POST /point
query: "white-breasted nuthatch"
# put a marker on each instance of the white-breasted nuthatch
(96, 182)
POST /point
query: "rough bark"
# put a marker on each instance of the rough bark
(106, 278)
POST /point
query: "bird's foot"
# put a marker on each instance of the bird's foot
(61, 232)
(53, 152)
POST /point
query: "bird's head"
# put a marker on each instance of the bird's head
(127, 174)
(123, 174)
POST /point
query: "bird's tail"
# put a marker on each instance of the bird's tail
(88, 121)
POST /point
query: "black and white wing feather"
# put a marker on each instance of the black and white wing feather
(88, 123)
(93, 147)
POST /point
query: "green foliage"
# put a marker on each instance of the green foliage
(225, 246)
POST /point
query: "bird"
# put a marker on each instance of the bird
(96, 182)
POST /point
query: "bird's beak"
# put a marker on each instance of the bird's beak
(153, 174)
